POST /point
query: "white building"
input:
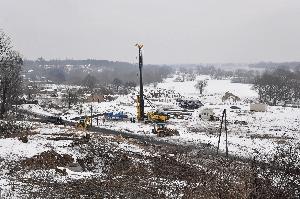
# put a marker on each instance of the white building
(258, 107)
(207, 114)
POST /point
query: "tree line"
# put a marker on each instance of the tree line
(274, 65)
(75, 71)
(278, 86)
(237, 75)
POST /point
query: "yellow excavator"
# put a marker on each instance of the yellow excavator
(152, 116)
(84, 124)
(157, 117)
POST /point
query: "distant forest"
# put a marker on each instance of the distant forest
(105, 72)
(272, 65)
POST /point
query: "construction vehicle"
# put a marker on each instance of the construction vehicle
(162, 131)
(54, 120)
(84, 123)
(151, 116)
(157, 117)
(115, 116)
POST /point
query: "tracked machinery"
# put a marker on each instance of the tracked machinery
(84, 123)
(162, 130)
(159, 120)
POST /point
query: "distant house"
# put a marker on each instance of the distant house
(258, 107)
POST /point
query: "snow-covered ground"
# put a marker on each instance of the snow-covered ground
(263, 133)
(214, 87)
(13, 151)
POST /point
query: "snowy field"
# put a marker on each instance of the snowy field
(263, 132)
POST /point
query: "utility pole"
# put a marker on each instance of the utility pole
(91, 115)
(141, 97)
(220, 132)
(226, 133)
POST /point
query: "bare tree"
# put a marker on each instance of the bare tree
(117, 83)
(10, 78)
(130, 84)
(71, 98)
(90, 82)
(201, 84)
(5, 45)
(30, 89)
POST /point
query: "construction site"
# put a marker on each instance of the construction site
(157, 141)
(155, 99)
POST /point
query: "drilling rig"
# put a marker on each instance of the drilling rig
(159, 119)
(151, 116)
(140, 97)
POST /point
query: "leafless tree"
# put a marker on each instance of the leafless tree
(117, 83)
(201, 84)
(10, 78)
(30, 89)
(71, 98)
(130, 84)
(90, 82)
(5, 45)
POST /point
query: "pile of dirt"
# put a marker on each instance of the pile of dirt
(47, 160)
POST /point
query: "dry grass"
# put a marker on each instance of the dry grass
(173, 172)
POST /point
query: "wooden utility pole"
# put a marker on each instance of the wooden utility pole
(226, 134)
(224, 120)
(91, 115)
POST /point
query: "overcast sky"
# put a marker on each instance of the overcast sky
(173, 31)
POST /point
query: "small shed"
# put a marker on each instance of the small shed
(207, 114)
(258, 107)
